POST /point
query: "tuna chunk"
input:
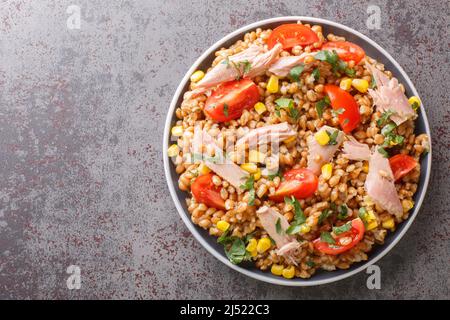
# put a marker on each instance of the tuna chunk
(380, 185)
(318, 155)
(283, 65)
(389, 96)
(266, 134)
(355, 150)
(287, 244)
(249, 63)
(221, 165)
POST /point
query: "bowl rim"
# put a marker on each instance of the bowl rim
(188, 222)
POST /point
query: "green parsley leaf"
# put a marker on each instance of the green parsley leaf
(385, 117)
(388, 129)
(278, 226)
(316, 74)
(284, 102)
(287, 104)
(415, 106)
(342, 212)
(237, 253)
(342, 229)
(338, 112)
(321, 105)
(299, 216)
(373, 83)
(310, 263)
(296, 72)
(224, 238)
(350, 72)
(247, 66)
(249, 185)
(293, 229)
(326, 237)
(325, 214)
(363, 215)
(251, 199)
(383, 152)
(333, 136)
(225, 109)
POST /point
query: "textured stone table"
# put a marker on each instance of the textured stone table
(81, 174)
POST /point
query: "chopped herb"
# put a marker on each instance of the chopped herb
(333, 136)
(342, 229)
(363, 215)
(288, 104)
(225, 109)
(248, 185)
(373, 83)
(387, 129)
(316, 74)
(342, 212)
(310, 263)
(321, 105)
(242, 67)
(326, 237)
(385, 117)
(346, 120)
(299, 217)
(337, 65)
(249, 236)
(278, 226)
(247, 66)
(325, 214)
(338, 111)
(296, 72)
(383, 152)
(224, 238)
(237, 253)
(415, 106)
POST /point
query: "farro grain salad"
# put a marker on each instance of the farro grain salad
(297, 150)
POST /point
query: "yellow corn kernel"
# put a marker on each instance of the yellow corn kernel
(388, 224)
(257, 174)
(272, 84)
(222, 225)
(327, 170)
(360, 84)
(177, 131)
(414, 102)
(305, 228)
(253, 253)
(322, 137)
(197, 76)
(368, 201)
(407, 205)
(289, 272)
(346, 84)
(372, 224)
(277, 269)
(255, 156)
(260, 107)
(173, 150)
(250, 167)
(263, 245)
(203, 169)
(291, 139)
(365, 167)
(371, 215)
(251, 246)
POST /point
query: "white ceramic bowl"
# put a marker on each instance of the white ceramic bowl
(209, 242)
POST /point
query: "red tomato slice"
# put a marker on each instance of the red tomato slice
(345, 50)
(341, 99)
(401, 165)
(300, 183)
(356, 233)
(206, 192)
(291, 35)
(230, 99)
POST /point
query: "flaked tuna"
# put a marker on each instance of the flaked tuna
(286, 244)
(318, 155)
(355, 150)
(267, 134)
(380, 185)
(282, 66)
(249, 63)
(388, 96)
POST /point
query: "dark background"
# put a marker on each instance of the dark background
(81, 173)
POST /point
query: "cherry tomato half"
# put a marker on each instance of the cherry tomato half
(300, 183)
(230, 99)
(345, 50)
(343, 101)
(356, 233)
(401, 165)
(291, 35)
(206, 192)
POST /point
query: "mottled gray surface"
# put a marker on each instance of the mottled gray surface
(81, 120)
